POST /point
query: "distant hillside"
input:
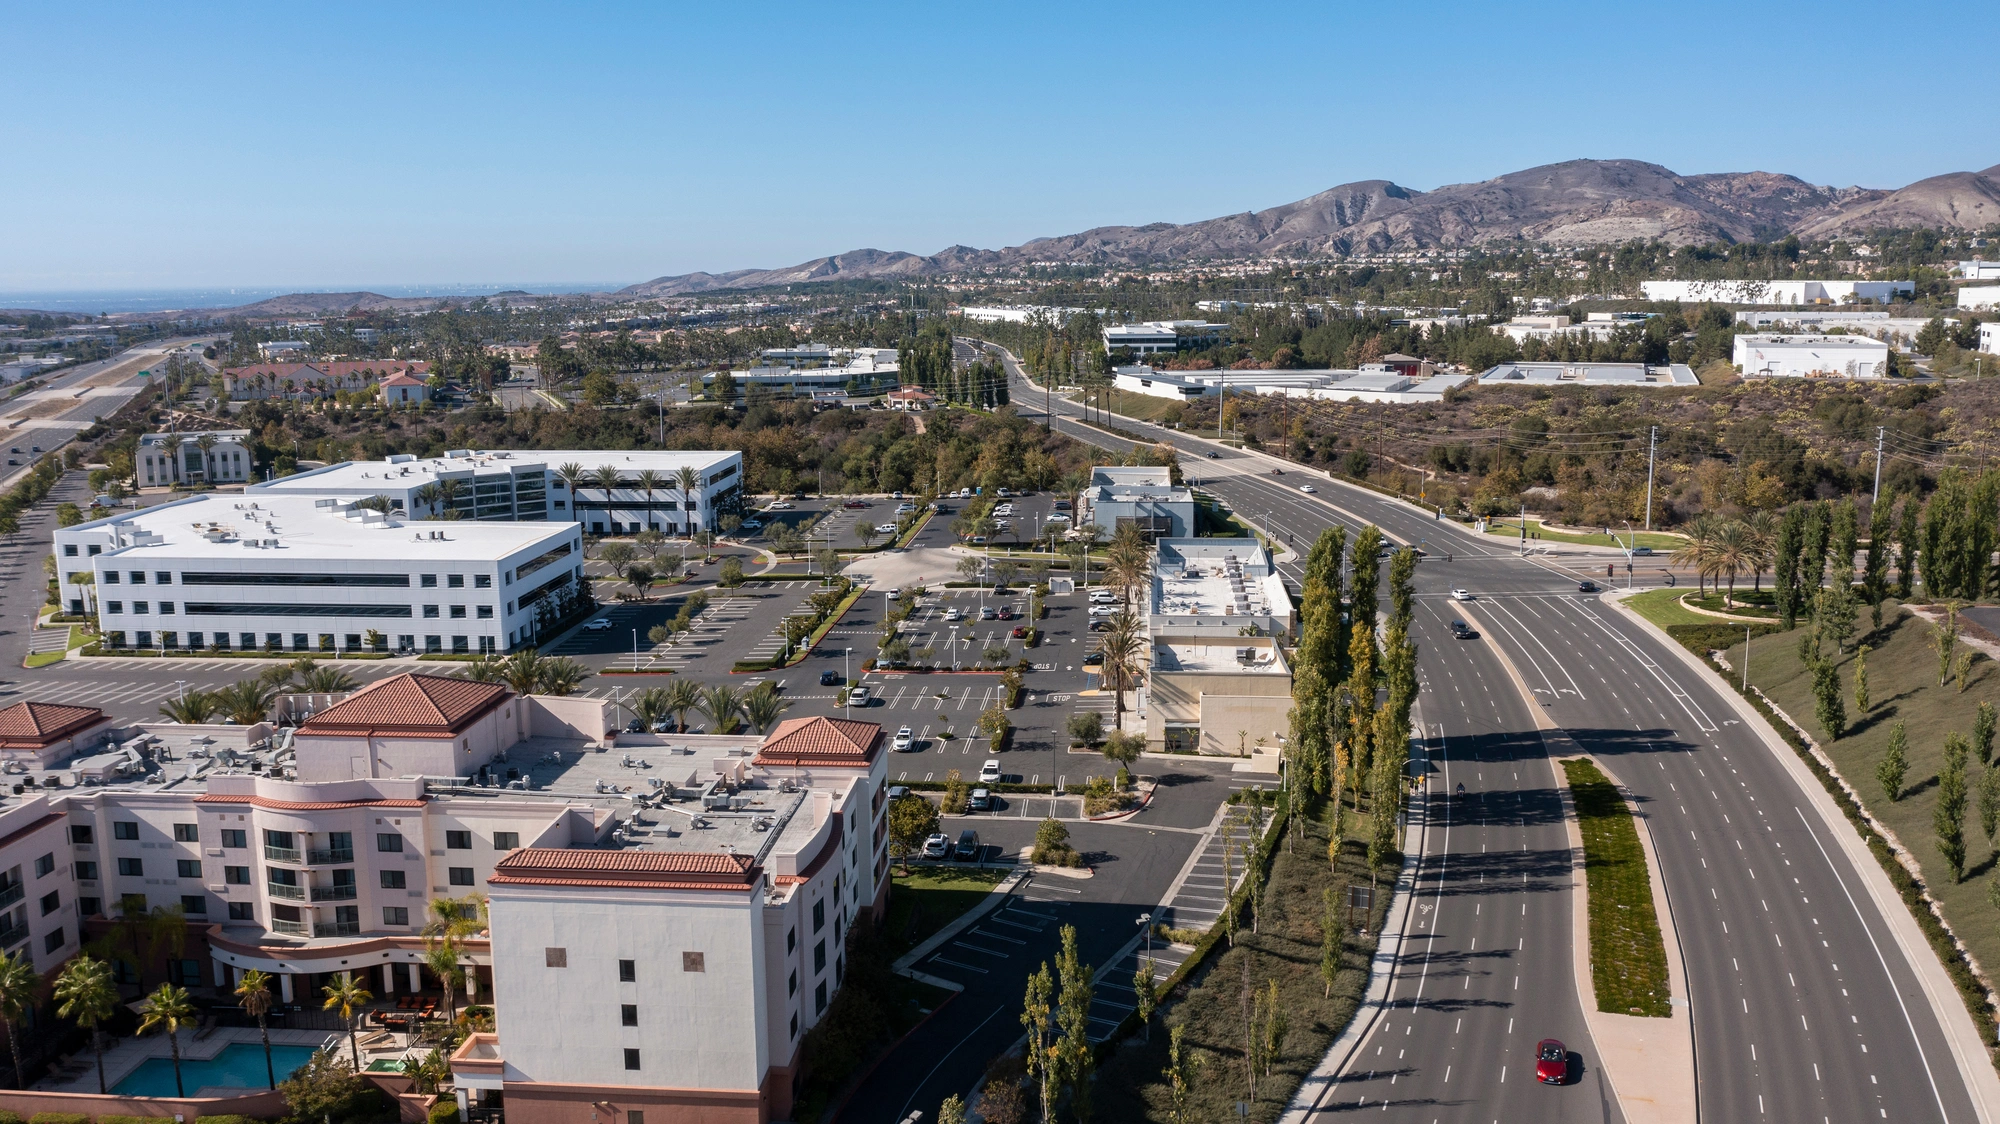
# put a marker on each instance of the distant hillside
(1576, 202)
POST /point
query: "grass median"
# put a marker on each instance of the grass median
(929, 898)
(1628, 956)
(1537, 532)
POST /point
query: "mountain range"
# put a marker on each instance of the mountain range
(1572, 203)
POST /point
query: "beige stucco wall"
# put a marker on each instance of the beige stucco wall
(1222, 703)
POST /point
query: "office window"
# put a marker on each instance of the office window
(236, 875)
(819, 998)
(46, 865)
(633, 1116)
(458, 840)
(628, 1014)
(458, 612)
(163, 577)
(433, 643)
(110, 577)
(248, 641)
(461, 645)
(791, 940)
(694, 962)
(186, 833)
(388, 842)
(484, 612)
(795, 1024)
(234, 839)
(168, 607)
(114, 606)
(69, 550)
(241, 911)
(792, 983)
(395, 915)
(125, 829)
(819, 958)
(506, 840)
(819, 916)
(555, 957)
(139, 607)
(427, 581)
(461, 876)
(53, 941)
(81, 834)
(194, 904)
(187, 868)
(393, 880)
(631, 1059)
(86, 871)
(51, 902)
(430, 612)
(454, 581)
(131, 868)
(138, 577)
(482, 581)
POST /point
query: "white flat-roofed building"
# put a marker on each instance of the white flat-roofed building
(864, 367)
(1144, 496)
(1776, 292)
(1812, 357)
(1979, 270)
(1218, 681)
(1979, 296)
(1156, 336)
(517, 485)
(271, 349)
(1373, 383)
(1589, 374)
(1989, 338)
(311, 574)
(224, 457)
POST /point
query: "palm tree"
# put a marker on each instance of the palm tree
(683, 695)
(1697, 551)
(347, 994)
(762, 707)
(447, 496)
(561, 676)
(170, 1007)
(428, 496)
(722, 703)
(651, 705)
(20, 986)
(1131, 565)
(649, 481)
(522, 671)
(255, 990)
(688, 481)
(485, 669)
(173, 447)
(442, 959)
(572, 475)
(1732, 552)
(326, 681)
(1763, 529)
(1121, 645)
(606, 478)
(191, 709)
(85, 994)
(451, 921)
(247, 701)
(206, 443)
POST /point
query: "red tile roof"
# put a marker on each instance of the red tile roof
(433, 705)
(635, 869)
(32, 725)
(401, 379)
(822, 741)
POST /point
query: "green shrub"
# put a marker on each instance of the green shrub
(445, 1111)
(1703, 638)
(113, 1119)
(59, 1118)
(227, 1118)
(9, 1116)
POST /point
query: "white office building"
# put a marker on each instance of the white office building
(506, 486)
(218, 456)
(1989, 338)
(1144, 496)
(1156, 336)
(1979, 270)
(1375, 382)
(1776, 292)
(1811, 357)
(306, 574)
(1979, 296)
(1589, 374)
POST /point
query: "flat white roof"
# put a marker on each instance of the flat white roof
(1217, 656)
(1217, 577)
(221, 526)
(1591, 374)
(367, 477)
(1813, 343)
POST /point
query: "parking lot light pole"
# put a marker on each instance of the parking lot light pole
(844, 653)
(635, 649)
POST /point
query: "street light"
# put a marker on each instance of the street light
(635, 649)
(844, 653)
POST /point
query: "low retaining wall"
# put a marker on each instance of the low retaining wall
(29, 1102)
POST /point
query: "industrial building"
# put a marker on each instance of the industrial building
(1588, 374)
(1145, 497)
(1812, 357)
(1776, 292)
(1155, 336)
(666, 917)
(279, 572)
(1375, 382)
(1979, 296)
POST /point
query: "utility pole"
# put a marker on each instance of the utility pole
(1652, 449)
(1880, 432)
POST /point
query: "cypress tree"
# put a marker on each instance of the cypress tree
(1982, 733)
(1844, 540)
(1827, 707)
(1812, 550)
(1785, 565)
(1875, 577)
(1948, 817)
(1894, 766)
(1906, 544)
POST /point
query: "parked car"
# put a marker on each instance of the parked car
(857, 696)
(829, 678)
(905, 738)
(855, 505)
(989, 773)
(937, 847)
(1057, 517)
(1021, 632)
(981, 801)
(905, 508)
(1062, 505)
(896, 593)
(1005, 613)
(989, 613)
(1103, 597)
(968, 846)
(1105, 610)
(885, 528)
(779, 505)
(954, 614)
(1094, 659)
(600, 624)
(1460, 595)
(1102, 624)
(752, 526)
(898, 791)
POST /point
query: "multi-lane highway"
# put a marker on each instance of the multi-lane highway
(1805, 1004)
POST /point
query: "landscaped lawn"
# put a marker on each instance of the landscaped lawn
(1903, 686)
(1755, 604)
(1511, 528)
(1663, 607)
(1628, 959)
(929, 898)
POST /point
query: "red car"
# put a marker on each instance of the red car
(1006, 614)
(1551, 1062)
(855, 504)
(1021, 632)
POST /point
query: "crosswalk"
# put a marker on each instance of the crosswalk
(1198, 901)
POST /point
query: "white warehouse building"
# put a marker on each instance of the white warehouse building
(1812, 357)
(1775, 292)
(301, 573)
(503, 485)
(1979, 296)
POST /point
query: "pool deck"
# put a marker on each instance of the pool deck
(127, 1054)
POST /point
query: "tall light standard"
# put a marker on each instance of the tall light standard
(844, 654)
(635, 649)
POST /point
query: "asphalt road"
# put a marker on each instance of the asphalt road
(1784, 966)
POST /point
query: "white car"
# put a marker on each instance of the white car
(752, 525)
(954, 614)
(1460, 595)
(989, 773)
(937, 847)
(905, 738)
(1105, 610)
(885, 528)
(905, 508)
(1058, 517)
(1307, 488)
(601, 624)
(857, 696)
(781, 505)
(1103, 597)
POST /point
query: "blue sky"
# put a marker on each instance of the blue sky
(167, 146)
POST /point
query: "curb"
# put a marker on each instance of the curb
(959, 924)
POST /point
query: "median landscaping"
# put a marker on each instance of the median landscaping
(1628, 957)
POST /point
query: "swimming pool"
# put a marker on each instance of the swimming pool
(240, 1065)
